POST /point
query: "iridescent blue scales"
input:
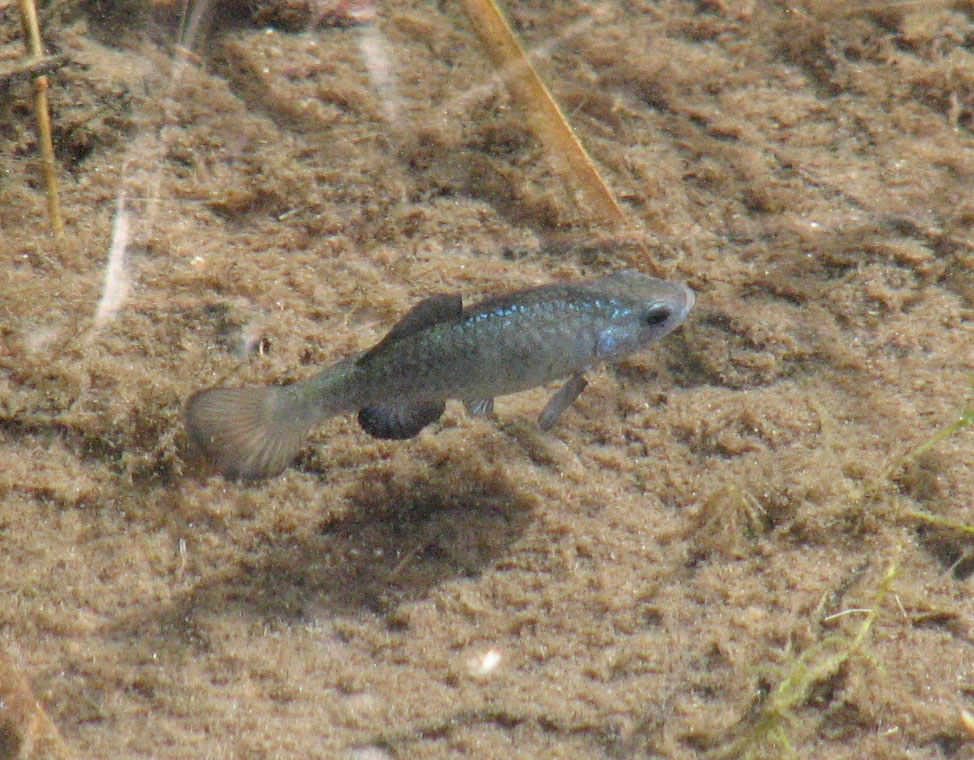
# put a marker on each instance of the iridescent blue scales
(439, 351)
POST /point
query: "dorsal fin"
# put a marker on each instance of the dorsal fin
(446, 307)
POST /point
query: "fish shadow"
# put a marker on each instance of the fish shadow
(399, 538)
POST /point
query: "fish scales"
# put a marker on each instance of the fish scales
(496, 348)
(439, 351)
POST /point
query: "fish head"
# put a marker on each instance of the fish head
(645, 310)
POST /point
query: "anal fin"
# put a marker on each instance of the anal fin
(399, 421)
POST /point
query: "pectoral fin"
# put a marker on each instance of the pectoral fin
(562, 399)
(399, 421)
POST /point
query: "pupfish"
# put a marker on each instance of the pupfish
(443, 350)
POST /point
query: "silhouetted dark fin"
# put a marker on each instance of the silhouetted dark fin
(562, 399)
(399, 421)
(479, 406)
(429, 311)
(247, 433)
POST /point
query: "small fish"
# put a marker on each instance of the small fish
(442, 350)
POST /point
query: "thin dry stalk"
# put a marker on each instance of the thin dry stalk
(25, 729)
(43, 114)
(547, 121)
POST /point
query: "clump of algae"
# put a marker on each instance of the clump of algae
(966, 418)
(769, 729)
(766, 732)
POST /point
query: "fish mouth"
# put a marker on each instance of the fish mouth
(686, 301)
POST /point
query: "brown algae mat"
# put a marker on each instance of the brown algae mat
(733, 544)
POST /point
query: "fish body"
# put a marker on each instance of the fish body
(442, 350)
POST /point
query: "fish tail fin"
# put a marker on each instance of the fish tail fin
(248, 433)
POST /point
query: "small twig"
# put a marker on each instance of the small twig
(12, 71)
(547, 121)
(43, 114)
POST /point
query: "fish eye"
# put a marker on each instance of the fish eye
(656, 314)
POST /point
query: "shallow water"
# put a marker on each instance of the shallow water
(256, 196)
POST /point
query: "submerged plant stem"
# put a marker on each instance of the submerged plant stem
(966, 418)
(42, 113)
(547, 121)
